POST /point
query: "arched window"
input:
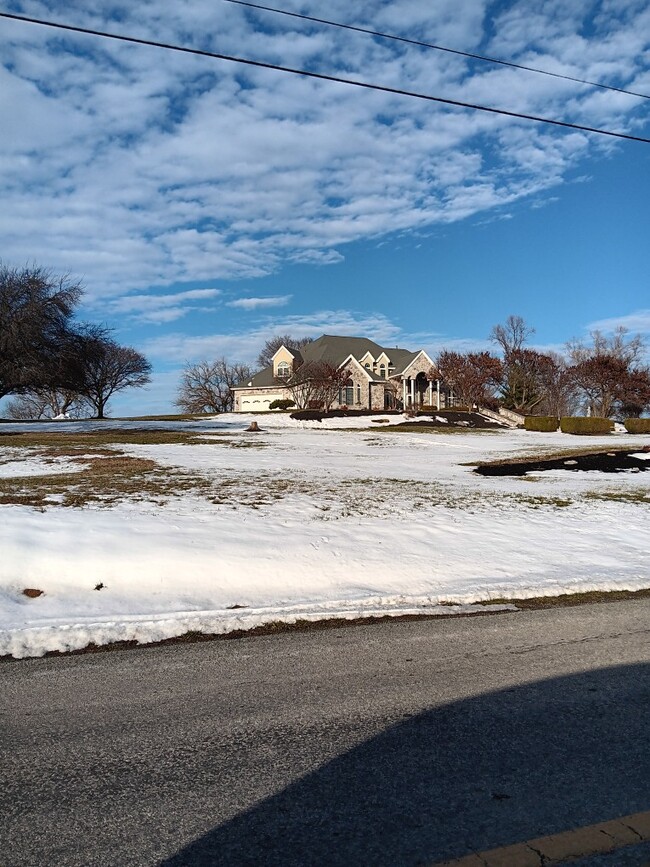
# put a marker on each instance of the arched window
(283, 370)
(382, 371)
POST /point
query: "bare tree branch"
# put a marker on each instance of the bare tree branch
(207, 386)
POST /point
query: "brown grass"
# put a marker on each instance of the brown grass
(569, 600)
(69, 439)
(102, 479)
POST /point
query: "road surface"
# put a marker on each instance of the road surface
(397, 744)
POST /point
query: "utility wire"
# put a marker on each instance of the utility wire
(436, 47)
(320, 76)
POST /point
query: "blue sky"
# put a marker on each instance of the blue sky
(206, 205)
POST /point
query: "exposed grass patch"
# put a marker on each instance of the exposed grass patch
(248, 444)
(541, 501)
(636, 495)
(85, 439)
(102, 480)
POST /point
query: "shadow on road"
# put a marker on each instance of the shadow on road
(488, 771)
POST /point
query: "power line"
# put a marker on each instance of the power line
(320, 76)
(436, 47)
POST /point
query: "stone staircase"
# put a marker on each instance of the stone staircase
(505, 416)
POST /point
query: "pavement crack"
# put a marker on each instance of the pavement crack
(565, 642)
(543, 860)
(634, 831)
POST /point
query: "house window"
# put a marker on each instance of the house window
(346, 394)
(382, 371)
(283, 370)
(358, 393)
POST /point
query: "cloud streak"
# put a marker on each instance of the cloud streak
(260, 303)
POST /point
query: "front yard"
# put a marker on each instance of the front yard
(143, 531)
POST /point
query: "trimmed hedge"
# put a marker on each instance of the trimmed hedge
(541, 423)
(637, 425)
(585, 426)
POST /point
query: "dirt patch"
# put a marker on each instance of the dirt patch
(622, 460)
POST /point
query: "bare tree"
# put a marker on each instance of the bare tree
(272, 345)
(207, 386)
(511, 335)
(329, 381)
(48, 403)
(316, 383)
(630, 350)
(36, 308)
(521, 389)
(473, 376)
(303, 385)
(108, 368)
(558, 386)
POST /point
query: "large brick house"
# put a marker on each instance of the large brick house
(380, 377)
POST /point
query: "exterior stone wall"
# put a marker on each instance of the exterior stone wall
(377, 397)
(360, 381)
(421, 365)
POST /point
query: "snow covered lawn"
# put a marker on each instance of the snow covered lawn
(216, 529)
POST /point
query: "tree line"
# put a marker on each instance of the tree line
(605, 377)
(51, 364)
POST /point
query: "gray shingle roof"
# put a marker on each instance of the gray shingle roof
(334, 350)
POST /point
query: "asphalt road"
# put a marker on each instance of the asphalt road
(396, 744)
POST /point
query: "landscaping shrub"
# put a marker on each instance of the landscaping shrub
(585, 426)
(282, 404)
(637, 425)
(541, 423)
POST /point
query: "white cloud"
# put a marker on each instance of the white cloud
(259, 303)
(637, 323)
(246, 345)
(158, 309)
(135, 168)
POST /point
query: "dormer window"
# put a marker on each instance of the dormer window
(382, 371)
(283, 370)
